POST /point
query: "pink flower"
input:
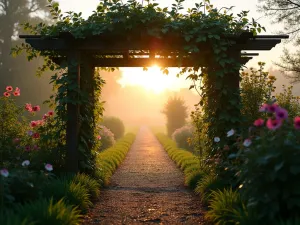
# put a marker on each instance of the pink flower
(48, 167)
(264, 108)
(33, 123)
(297, 122)
(272, 108)
(35, 147)
(99, 137)
(16, 93)
(45, 116)
(36, 135)
(36, 108)
(247, 142)
(27, 148)
(9, 88)
(28, 107)
(50, 113)
(259, 122)
(273, 124)
(6, 94)
(4, 172)
(281, 113)
(18, 89)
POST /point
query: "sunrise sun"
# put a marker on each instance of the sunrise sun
(152, 80)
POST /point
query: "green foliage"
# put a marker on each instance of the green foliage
(193, 178)
(176, 114)
(22, 185)
(270, 172)
(287, 100)
(256, 89)
(11, 218)
(115, 125)
(183, 136)
(49, 212)
(223, 204)
(89, 183)
(74, 192)
(108, 160)
(209, 182)
(12, 125)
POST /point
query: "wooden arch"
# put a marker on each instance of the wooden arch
(118, 51)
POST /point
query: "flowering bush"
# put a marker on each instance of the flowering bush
(115, 125)
(256, 88)
(182, 137)
(106, 138)
(270, 174)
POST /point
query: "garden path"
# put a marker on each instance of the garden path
(147, 188)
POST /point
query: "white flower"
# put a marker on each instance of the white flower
(26, 163)
(4, 172)
(48, 167)
(247, 142)
(230, 133)
(217, 139)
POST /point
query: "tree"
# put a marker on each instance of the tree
(176, 114)
(17, 71)
(286, 12)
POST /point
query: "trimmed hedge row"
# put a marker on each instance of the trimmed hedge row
(108, 160)
(184, 159)
(64, 199)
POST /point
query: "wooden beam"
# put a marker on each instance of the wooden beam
(73, 126)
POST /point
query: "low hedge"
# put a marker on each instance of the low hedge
(108, 160)
(184, 159)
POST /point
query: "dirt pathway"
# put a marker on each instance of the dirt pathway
(146, 189)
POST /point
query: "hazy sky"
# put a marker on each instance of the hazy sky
(87, 6)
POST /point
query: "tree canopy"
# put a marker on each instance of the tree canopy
(286, 12)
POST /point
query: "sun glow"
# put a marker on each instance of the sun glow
(152, 80)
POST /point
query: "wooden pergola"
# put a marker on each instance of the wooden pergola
(119, 51)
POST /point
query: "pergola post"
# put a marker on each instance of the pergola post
(73, 123)
(223, 104)
(87, 122)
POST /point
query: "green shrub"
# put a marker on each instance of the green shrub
(193, 178)
(108, 160)
(115, 125)
(176, 114)
(222, 207)
(49, 212)
(210, 182)
(74, 192)
(89, 183)
(182, 137)
(270, 174)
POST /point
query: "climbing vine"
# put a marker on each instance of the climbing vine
(202, 25)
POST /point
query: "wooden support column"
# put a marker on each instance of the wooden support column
(222, 108)
(73, 124)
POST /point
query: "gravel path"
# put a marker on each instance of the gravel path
(147, 188)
